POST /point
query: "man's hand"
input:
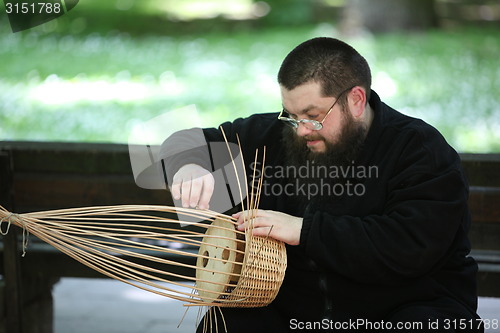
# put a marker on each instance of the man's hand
(277, 225)
(194, 185)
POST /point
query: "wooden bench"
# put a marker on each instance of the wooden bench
(37, 176)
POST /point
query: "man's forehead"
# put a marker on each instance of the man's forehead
(310, 88)
(304, 98)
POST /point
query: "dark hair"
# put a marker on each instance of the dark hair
(334, 64)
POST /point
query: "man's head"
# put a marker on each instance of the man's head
(326, 80)
(330, 62)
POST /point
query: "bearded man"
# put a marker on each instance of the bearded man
(390, 253)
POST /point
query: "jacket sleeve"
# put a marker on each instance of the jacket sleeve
(424, 209)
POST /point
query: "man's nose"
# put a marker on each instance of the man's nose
(302, 130)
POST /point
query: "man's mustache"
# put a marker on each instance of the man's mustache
(311, 138)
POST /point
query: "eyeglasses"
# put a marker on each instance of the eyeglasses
(309, 123)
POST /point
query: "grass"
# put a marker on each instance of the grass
(97, 86)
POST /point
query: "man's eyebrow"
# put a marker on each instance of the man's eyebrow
(305, 110)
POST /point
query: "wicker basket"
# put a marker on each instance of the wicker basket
(232, 272)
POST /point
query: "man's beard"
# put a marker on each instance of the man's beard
(341, 154)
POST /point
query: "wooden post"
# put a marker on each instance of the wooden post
(12, 299)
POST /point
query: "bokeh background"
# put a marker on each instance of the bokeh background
(107, 65)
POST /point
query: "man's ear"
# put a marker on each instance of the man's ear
(356, 100)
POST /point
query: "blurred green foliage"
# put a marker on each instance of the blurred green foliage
(81, 78)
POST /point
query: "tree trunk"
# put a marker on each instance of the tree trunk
(388, 15)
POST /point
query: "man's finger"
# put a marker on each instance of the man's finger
(241, 216)
(176, 190)
(196, 188)
(186, 193)
(263, 231)
(207, 191)
(244, 221)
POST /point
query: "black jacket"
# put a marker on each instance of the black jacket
(404, 240)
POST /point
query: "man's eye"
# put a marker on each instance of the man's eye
(312, 116)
